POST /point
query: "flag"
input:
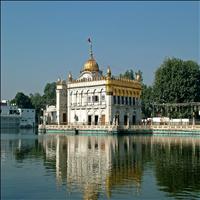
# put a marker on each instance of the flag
(89, 40)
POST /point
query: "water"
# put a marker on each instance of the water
(99, 167)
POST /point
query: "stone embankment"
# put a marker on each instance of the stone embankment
(113, 129)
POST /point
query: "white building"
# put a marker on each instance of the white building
(27, 117)
(10, 117)
(94, 98)
(49, 115)
(14, 117)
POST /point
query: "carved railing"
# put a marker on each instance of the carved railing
(121, 127)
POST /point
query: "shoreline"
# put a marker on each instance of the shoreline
(121, 130)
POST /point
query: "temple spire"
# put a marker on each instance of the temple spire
(90, 49)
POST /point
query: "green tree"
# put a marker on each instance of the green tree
(22, 100)
(177, 81)
(38, 103)
(129, 74)
(50, 93)
(147, 99)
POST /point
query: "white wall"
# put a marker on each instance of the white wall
(27, 117)
(80, 107)
(129, 110)
(6, 108)
(61, 102)
(50, 115)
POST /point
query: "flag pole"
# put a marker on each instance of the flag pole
(90, 49)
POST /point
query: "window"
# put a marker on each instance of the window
(130, 102)
(126, 100)
(103, 97)
(118, 99)
(122, 100)
(133, 100)
(89, 99)
(95, 98)
(114, 99)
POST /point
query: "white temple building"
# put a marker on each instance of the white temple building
(97, 99)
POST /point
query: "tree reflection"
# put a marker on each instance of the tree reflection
(24, 151)
(177, 166)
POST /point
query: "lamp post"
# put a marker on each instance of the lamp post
(153, 111)
(43, 117)
(193, 121)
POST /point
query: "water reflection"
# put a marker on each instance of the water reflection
(22, 143)
(104, 166)
(91, 163)
(177, 163)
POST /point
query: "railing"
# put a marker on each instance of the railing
(121, 127)
(178, 127)
(80, 127)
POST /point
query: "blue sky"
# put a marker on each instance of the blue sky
(41, 41)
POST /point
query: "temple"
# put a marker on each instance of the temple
(95, 98)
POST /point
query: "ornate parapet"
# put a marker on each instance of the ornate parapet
(89, 79)
(123, 87)
(114, 86)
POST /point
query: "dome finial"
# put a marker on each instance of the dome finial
(108, 72)
(70, 77)
(90, 50)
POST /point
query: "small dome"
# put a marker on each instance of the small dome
(91, 65)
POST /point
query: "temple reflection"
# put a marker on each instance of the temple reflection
(93, 164)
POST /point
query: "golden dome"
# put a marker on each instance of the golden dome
(91, 65)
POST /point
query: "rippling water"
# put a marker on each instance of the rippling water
(99, 167)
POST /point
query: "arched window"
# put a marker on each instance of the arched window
(71, 98)
(81, 98)
(95, 97)
(88, 97)
(102, 95)
(76, 97)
